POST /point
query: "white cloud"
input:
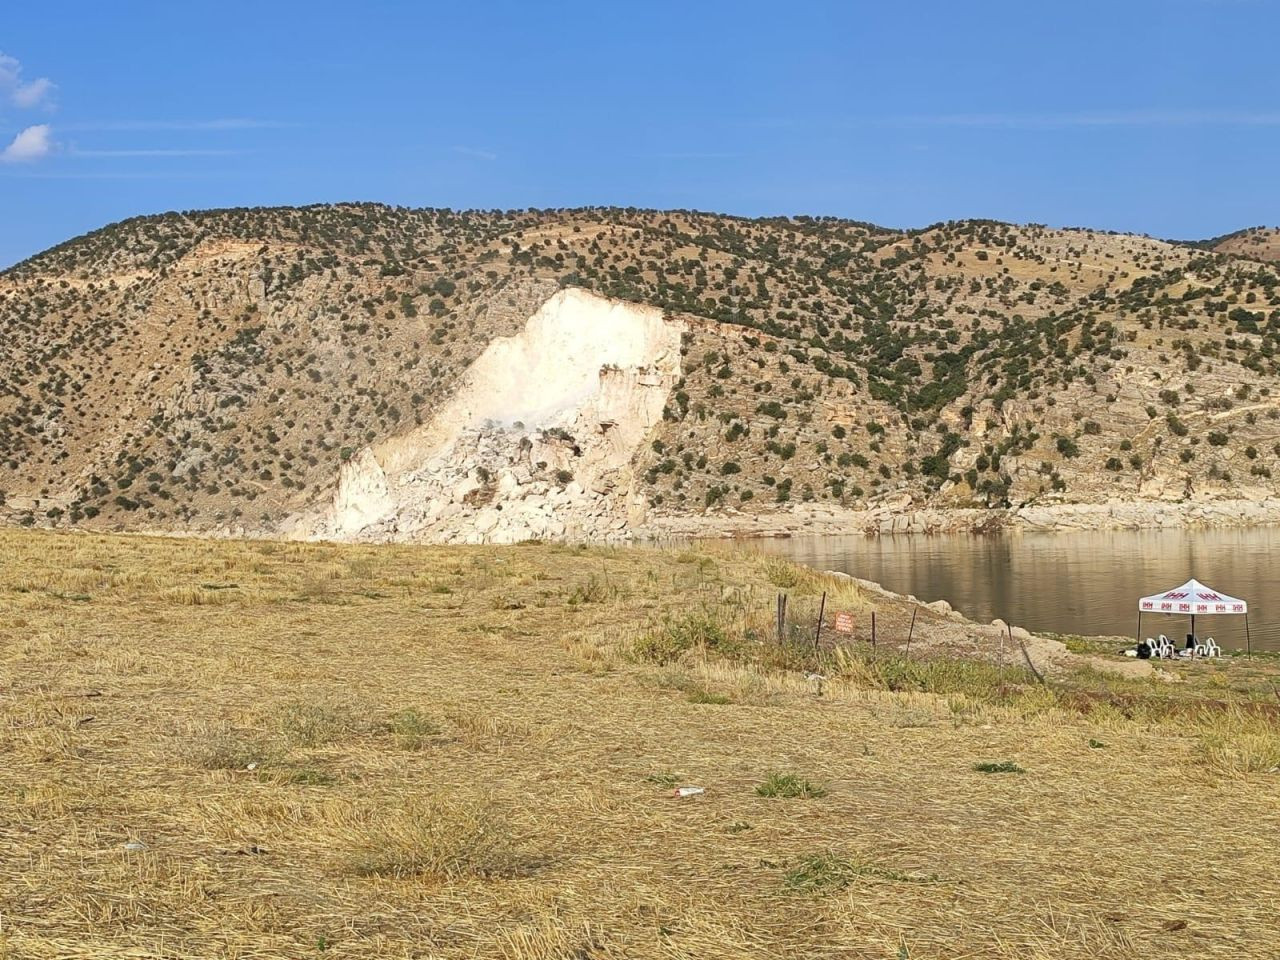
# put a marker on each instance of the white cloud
(34, 93)
(10, 70)
(476, 153)
(31, 144)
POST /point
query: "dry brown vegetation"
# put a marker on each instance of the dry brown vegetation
(1255, 243)
(264, 750)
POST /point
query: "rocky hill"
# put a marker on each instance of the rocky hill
(1256, 243)
(367, 372)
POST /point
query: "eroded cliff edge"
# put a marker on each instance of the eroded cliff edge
(538, 440)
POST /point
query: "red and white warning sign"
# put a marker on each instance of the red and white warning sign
(844, 623)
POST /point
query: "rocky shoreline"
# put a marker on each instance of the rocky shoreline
(944, 627)
(576, 519)
(902, 517)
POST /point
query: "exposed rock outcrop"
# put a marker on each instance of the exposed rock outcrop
(538, 440)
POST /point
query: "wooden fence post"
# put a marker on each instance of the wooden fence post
(822, 609)
(1025, 655)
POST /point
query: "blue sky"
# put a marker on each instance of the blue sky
(1155, 116)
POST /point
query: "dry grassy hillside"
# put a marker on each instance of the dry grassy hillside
(212, 371)
(1256, 243)
(270, 751)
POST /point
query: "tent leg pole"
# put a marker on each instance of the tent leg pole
(1248, 644)
(1137, 637)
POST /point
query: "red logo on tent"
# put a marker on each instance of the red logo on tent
(1175, 594)
(1148, 605)
(1166, 606)
(1238, 608)
(1184, 607)
(1208, 596)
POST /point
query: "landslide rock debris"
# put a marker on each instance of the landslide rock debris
(537, 442)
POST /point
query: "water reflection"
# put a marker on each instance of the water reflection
(1068, 582)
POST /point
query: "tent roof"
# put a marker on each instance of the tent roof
(1193, 597)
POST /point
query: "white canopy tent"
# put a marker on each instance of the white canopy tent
(1193, 599)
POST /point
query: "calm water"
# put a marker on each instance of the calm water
(1085, 583)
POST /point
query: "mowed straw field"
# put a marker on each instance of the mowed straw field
(265, 750)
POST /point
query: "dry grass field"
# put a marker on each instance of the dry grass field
(266, 750)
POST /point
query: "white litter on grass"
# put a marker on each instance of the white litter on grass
(134, 846)
(687, 791)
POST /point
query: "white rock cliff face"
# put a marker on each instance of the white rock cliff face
(537, 441)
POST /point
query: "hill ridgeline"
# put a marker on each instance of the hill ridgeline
(363, 372)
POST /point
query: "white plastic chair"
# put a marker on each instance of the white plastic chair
(1209, 648)
(1159, 648)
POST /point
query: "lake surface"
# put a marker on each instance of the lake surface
(1087, 583)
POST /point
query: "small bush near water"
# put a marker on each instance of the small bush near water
(675, 636)
(953, 675)
(783, 574)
